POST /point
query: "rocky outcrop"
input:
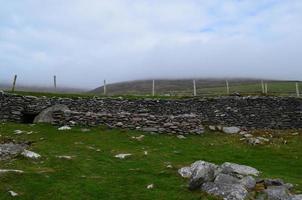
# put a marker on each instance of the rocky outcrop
(232, 181)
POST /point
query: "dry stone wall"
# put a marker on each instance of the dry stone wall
(185, 116)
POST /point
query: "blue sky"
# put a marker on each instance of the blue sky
(86, 41)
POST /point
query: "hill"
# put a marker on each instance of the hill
(204, 87)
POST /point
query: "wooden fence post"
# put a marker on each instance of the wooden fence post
(14, 83)
(266, 88)
(153, 88)
(262, 86)
(55, 82)
(227, 87)
(194, 88)
(297, 89)
(105, 87)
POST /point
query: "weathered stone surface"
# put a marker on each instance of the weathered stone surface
(277, 193)
(296, 197)
(202, 172)
(30, 154)
(226, 179)
(226, 191)
(239, 169)
(46, 116)
(9, 150)
(231, 130)
(185, 172)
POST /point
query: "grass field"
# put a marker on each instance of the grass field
(94, 172)
(205, 87)
(174, 89)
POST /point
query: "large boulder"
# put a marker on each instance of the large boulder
(46, 115)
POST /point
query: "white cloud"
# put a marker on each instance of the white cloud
(84, 42)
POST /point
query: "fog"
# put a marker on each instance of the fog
(83, 42)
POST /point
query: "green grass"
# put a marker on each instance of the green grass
(98, 175)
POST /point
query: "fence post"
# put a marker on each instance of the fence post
(266, 89)
(14, 83)
(55, 82)
(105, 87)
(194, 88)
(297, 89)
(262, 86)
(153, 88)
(227, 87)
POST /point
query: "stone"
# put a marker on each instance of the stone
(64, 128)
(185, 172)
(18, 132)
(296, 197)
(248, 182)
(4, 171)
(273, 182)
(225, 191)
(65, 157)
(244, 170)
(181, 137)
(139, 138)
(12, 193)
(277, 193)
(212, 128)
(226, 179)
(30, 154)
(231, 130)
(119, 124)
(10, 150)
(151, 186)
(46, 116)
(201, 172)
(122, 155)
(254, 141)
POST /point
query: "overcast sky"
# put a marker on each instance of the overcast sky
(86, 41)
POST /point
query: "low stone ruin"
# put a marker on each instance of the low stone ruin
(157, 115)
(231, 181)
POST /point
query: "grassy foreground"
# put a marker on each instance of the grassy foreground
(94, 173)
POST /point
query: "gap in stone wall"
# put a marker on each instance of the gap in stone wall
(28, 118)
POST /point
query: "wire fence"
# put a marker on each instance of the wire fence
(198, 87)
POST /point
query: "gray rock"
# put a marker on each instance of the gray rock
(231, 130)
(185, 172)
(225, 191)
(9, 150)
(277, 193)
(248, 182)
(254, 141)
(232, 168)
(296, 197)
(46, 115)
(202, 172)
(226, 179)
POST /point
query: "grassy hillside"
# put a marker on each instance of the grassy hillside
(204, 87)
(94, 172)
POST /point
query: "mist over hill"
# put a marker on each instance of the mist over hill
(173, 86)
